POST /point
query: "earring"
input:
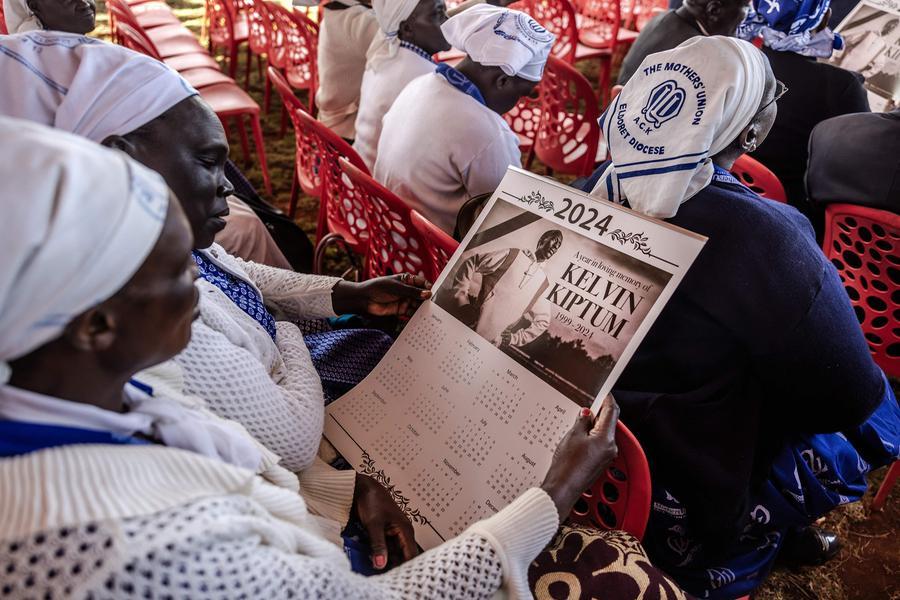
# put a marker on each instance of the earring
(752, 147)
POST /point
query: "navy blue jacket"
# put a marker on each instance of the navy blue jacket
(758, 343)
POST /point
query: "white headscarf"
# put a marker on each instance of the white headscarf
(682, 107)
(389, 14)
(19, 17)
(83, 85)
(78, 221)
(499, 37)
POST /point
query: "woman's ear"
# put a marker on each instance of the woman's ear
(93, 330)
(749, 137)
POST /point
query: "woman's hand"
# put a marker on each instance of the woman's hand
(384, 522)
(394, 295)
(582, 455)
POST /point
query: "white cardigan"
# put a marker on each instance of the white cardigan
(269, 387)
(460, 149)
(344, 37)
(380, 89)
(130, 521)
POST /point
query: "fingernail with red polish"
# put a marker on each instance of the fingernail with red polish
(585, 412)
(380, 561)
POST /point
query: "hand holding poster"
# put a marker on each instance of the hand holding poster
(537, 313)
(872, 46)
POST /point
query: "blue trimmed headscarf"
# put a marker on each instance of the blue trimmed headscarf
(788, 26)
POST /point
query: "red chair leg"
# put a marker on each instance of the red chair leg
(886, 485)
(261, 151)
(267, 99)
(233, 60)
(248, 66)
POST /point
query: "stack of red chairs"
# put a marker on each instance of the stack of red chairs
(293, 44)
(176, 46)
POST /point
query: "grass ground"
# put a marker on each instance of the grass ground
(868, 567)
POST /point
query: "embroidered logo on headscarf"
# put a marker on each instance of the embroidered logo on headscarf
(522, 24)
(664, 103)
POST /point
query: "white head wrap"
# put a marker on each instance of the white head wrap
(389, 14)
(83, 85)
(78, 221)
(19, 17)
(499, 37)
(682, 107)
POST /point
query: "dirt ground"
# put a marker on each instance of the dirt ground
(868, 567)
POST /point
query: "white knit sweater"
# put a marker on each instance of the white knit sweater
(269, 387)
(149, 521)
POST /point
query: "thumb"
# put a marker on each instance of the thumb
(377, 543)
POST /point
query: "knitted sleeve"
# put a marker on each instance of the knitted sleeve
(292, 296)
(283, 410)
(228, 547)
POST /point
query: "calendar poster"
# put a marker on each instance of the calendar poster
(535, 315)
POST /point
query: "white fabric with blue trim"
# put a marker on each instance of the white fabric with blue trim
(19, 17)
(499, 37)
(681, 108)
(83, 85)
(78, 221)
(389, 14)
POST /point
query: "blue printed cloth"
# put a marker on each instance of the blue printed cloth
(787, 26)
(343, 357)
(460, 82)
(239, 291)
(812, 475)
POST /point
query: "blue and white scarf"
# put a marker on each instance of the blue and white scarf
(460, 82)
(682, 107)
(788, 26)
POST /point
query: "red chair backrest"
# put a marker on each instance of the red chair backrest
(293, 47)
(439, 245)
(864, 245)
(220, 16)
(569, 134)
(259, 26)
(600, 20)
(620, 498)
(3, 30)
(128, 32)
(317, 151)
(394, 244)
(758, 178)
(525, 119)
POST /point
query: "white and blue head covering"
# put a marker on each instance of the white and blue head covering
(787, 26)
(78, 221)
(500, 37)
(83, 85)
(389, 14)
(19, 18)
(682, 107)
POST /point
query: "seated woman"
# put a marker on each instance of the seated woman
(754, 394)
(246, 364)
(794, 37)
(110, 491)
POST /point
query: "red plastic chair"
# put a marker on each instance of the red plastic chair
(3, 30)
(167, 41)
(864, 245)
(136, 39)
(758, 178)
(569, 134)
(260, 32)
(620, 498)
(394, 244)
(227, 28)
(439, 246)
(154, 14)
(598, 23)
(317, 151)
(292, 50)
